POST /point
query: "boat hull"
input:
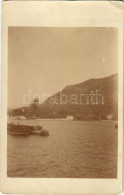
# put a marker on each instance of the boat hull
(25, 130)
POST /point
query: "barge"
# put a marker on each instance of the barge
(15, 129)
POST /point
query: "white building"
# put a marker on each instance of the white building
(69, 117)
(109, 117)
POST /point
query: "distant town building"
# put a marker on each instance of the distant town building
(19, 117)
(22, 117)
(69, 117)
(16, 117)
(109, 117)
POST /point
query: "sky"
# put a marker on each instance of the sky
(45, 60)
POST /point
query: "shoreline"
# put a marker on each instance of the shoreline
(108, 121)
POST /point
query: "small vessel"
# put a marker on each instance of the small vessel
(116, 126)
(19, 133)
(44, 133)
(15, 127)
(24, 130)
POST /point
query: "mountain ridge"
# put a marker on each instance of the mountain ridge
(80, 109)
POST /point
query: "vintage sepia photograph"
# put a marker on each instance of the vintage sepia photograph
(62, 102)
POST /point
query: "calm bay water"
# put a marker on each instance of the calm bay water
(74, 149)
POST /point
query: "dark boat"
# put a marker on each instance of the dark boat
(116, 126)
(44, 133)
(24, 130)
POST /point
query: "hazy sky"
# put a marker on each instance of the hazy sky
(45, 60)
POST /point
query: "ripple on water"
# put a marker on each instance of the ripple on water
(73, 149)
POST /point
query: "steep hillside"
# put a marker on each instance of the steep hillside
(93, 99)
